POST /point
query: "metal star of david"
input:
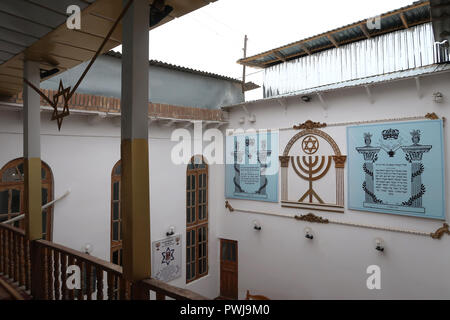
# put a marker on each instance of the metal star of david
(65, 94)
(310, 145)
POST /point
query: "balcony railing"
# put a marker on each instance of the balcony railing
(43, 268)
(15, 256)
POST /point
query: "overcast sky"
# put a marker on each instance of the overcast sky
(211, 38)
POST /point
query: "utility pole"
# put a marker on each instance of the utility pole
(243, 67)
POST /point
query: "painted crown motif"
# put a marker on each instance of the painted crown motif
(390, 134)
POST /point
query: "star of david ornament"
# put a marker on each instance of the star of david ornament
(310, 145)
(65, 94)
(167, 256)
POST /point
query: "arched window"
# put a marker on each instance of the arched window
(12, 195)
(116, 216)
(196, 219)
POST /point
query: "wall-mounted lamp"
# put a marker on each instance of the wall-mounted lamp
(88, 248)
(306, 98)
(379, 244)
(308, 233)
(171, 231)
(438, 97)
(256, 225)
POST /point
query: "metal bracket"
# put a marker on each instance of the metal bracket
(369, 94)
(283, 104)
(323, 104)
(418, 87)
(251, 117)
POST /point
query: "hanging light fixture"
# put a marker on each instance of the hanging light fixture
(158, 11)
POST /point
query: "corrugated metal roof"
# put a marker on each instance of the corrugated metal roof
(166, 65)
(394, 76)
(402, 18)
(397, 51)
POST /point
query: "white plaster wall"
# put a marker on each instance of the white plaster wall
(82, 156)
(281, 263)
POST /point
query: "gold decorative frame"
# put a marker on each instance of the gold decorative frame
(440, 232)
(310, 217)
(339, 161)
(307, 125)
(228, 206)
(432, 116)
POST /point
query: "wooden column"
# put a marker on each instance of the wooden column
(32, 152)
(135, 203)
(37, 271)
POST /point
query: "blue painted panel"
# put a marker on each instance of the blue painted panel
(397, 168)
(252, 166)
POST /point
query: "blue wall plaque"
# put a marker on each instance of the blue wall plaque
(397, 168)
(252, 166)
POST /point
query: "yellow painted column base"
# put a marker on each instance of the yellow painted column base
(33, 198)
(135, 208)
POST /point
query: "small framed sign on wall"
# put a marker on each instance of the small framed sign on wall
(166, 258)
(397, 168)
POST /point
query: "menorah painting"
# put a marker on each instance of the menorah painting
(314, 174)
(397, 168)
(251, 166)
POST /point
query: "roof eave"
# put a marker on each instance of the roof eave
(330, 35)
(355, 83)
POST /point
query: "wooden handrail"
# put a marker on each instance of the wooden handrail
(48, 262)
(11, 290)
(171, 291)
(105, 265)
(161, 288)
(14, 255)
(13, 229)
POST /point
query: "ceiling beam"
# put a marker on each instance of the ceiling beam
(330, 46)
(280, 56)
(333, 40)
(404, 21)
(363, 28)
(305, 48)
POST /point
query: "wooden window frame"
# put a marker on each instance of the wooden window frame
(189, 260)
(47, 183)
(197, 244)
(116, 245)
(196, 224)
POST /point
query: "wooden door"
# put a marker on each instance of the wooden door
(229, 269)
